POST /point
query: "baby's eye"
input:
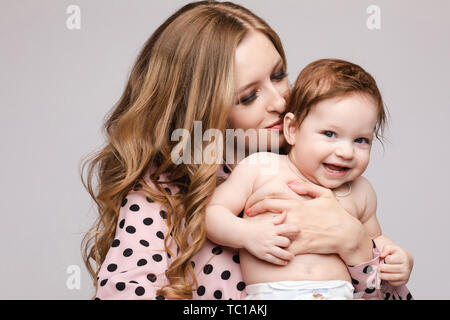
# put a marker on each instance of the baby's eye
(329, 134)
(362, 140)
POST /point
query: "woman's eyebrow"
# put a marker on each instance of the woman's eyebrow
(280, 61)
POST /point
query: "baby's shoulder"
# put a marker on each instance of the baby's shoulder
(362, 185)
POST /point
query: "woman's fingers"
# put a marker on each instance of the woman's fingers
(304, 188)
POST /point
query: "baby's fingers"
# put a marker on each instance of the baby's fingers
(274, 260)
(286, 229)
(282, 242)
(395, 259)
(391, 277)
(391, 268)
(277, 252)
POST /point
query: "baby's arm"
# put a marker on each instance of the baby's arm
(262, 238)
(398, 262)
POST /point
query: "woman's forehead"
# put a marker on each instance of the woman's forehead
(256, 57)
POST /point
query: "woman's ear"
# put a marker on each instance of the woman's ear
(289, 128)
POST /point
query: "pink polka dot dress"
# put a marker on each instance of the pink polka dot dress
(135, 265)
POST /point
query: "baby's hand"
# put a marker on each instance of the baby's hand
(398, 265)
(265, 238)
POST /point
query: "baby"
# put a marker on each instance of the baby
(334, 112)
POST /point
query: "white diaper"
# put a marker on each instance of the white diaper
(300, 290)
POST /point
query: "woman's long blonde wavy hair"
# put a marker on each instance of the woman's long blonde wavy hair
(184, 73)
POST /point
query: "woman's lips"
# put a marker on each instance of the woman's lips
(276, 126)
(335, 171)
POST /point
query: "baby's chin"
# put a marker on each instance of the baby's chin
(331, 184)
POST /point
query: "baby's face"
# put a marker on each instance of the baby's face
(332, 145)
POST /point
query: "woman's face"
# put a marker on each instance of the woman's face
(262, 89)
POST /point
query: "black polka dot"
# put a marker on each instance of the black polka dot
(124, 202)
(149, 200)
(121, 223)
(160, 235)
(134, 208)
(148, 221)
(208, 269)
(141, 262)
(144, 243)
(120, 286)
(151, 277)
(225, 169)
(97, 298)
(218, 294)
(367, 269)
(160, 298)
(127, 252)
(163, 214)
(355, 282)
(409, 296)
(370, 290)
(139, 291)
(112, 267)
(115, 243)
(217, 250)
(157, 257)
(201, 290)
(236, 258)
(103, 282)
(168, 190)
(193, 264)
(393, 297)
(240, 286)
(225, 275)
(132, 281)
(130, 229)
(387, 295)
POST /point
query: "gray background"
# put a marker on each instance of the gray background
(56, 85)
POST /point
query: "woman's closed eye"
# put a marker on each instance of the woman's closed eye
(280, 75)
(248, 98)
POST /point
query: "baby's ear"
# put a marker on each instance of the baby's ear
(289, 128)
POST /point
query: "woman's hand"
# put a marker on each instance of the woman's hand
(265, 239)
(325, 227)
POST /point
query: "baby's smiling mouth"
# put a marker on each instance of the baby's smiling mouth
(335, 167)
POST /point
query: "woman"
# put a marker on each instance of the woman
(149, 239)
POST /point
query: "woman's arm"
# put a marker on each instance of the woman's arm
(135, 265)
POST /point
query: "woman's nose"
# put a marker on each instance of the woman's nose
(277, 100)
